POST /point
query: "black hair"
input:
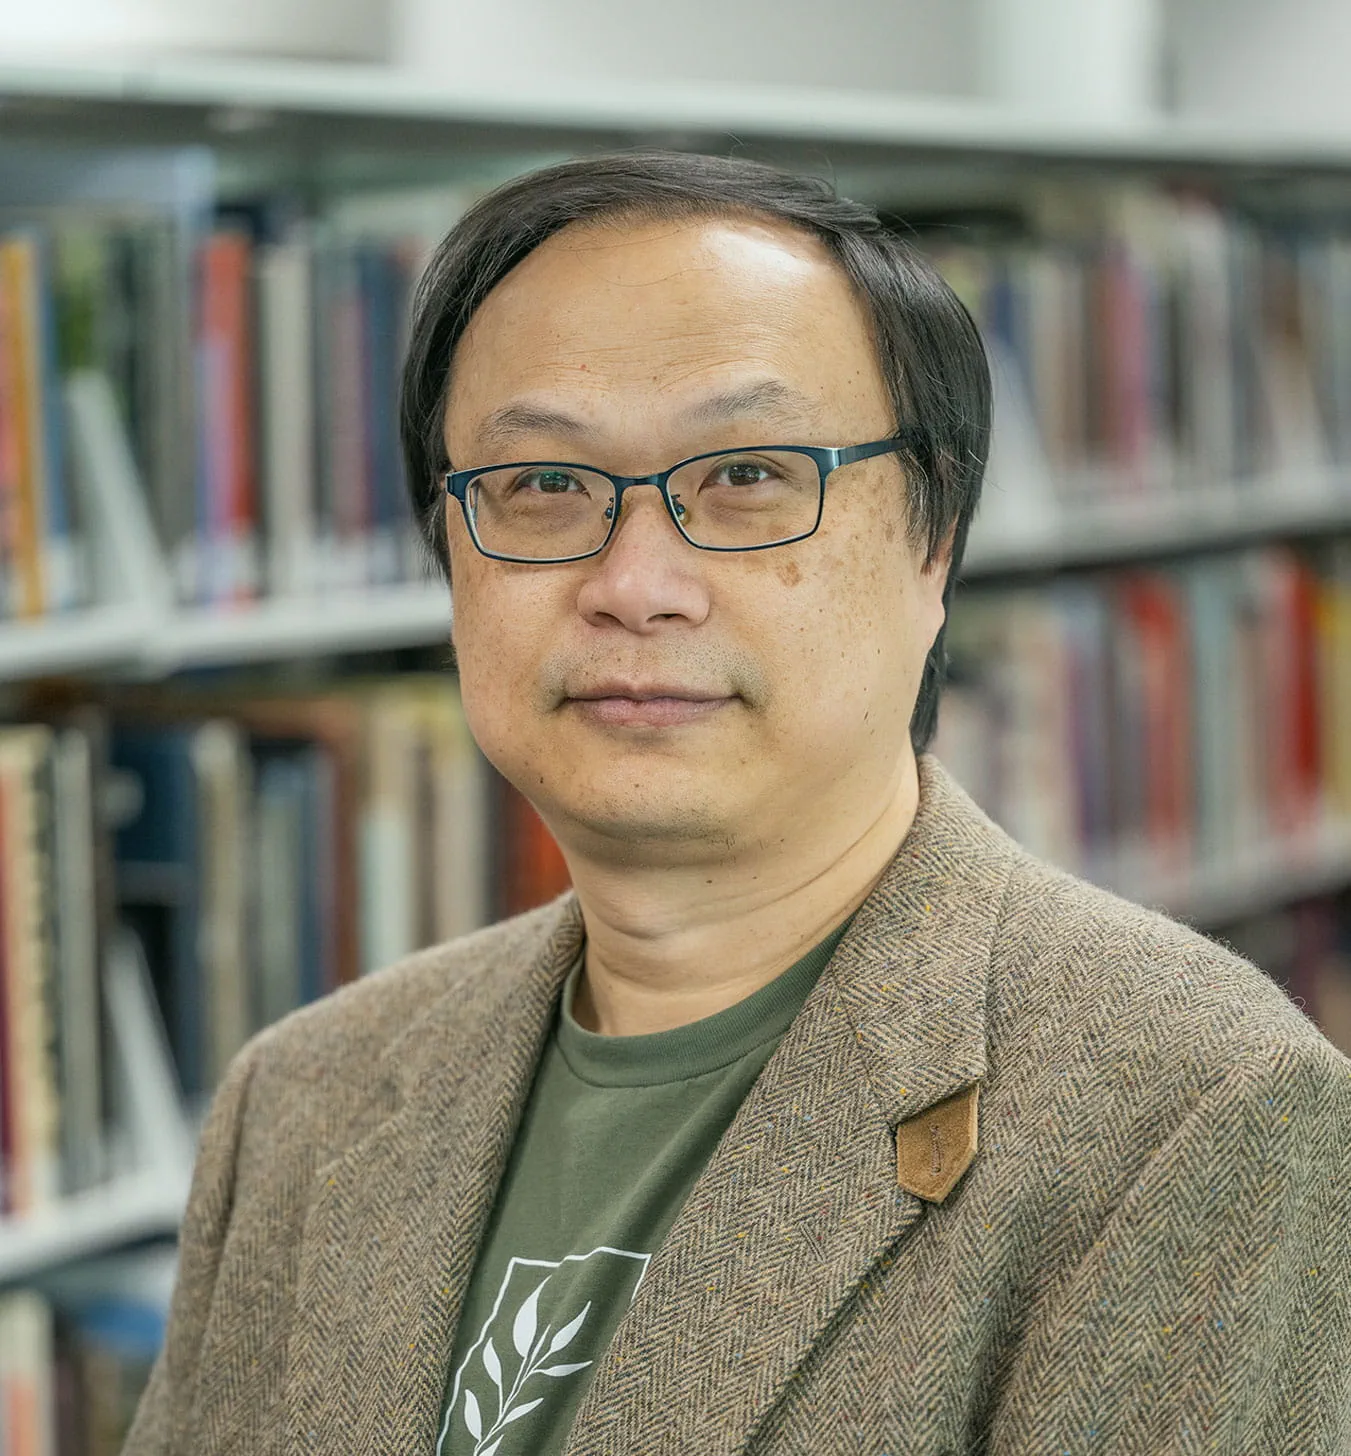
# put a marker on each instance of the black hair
(930, 351)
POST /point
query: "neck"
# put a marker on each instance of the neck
(666, 946)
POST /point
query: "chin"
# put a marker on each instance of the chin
(610, 823)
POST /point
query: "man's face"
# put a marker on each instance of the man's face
(659, 703)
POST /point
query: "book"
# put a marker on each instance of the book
(286, 376)
(78, 926)
(158, 848)
(27, 1357)
(223, 769)
(227, 488)
(30, 1067)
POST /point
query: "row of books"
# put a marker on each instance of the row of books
(1135, 725)
(1161, 341)
(75, 1355)
(1148, 342)
(264, 848)
(300, 481)
(257, 383)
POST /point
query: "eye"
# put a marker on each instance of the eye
(739, 473)
(549, 481)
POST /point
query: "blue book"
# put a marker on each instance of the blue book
(294, 807)
(158, 858)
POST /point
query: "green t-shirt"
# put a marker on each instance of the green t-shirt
(615, 1133)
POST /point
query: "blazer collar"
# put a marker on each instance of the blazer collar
(797, 1204)
(911, 973)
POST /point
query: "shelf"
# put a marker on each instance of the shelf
(1265, 877)
(396, 616)
(100, 637)
(1131, 530)
(252, 96)
(143, 1206)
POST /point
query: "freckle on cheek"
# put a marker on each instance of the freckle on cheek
(789, 572)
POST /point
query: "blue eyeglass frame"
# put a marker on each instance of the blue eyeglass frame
(828, 458)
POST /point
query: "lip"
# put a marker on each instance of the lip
(649, 705)
(646, 692)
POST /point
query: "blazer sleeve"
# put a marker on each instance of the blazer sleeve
(164, 1406)
(1213, 1313)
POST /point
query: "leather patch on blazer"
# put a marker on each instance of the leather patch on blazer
(934, 1148)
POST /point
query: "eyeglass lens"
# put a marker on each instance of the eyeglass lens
(551, 511)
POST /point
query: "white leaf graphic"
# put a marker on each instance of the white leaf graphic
(488, 1450)
(472, 1419)
(523, 1329)
(562, 1369)
(564, 1337)
(492, 1364)
(538, 1348)
(521, 1410)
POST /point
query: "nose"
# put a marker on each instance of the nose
(648, 576)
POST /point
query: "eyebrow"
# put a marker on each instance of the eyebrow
(765, 399)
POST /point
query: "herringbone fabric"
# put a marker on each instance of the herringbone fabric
(1150, 1252)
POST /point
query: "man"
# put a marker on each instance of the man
(821, 1117)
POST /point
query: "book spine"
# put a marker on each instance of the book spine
(34, 1176)
(18, 282)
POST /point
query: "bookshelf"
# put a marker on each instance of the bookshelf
(100, 639)
(414, 614)
(354, 127)
(1112, 533)
(342, 106)
(1263, 876)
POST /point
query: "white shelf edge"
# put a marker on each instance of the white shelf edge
(1274, 874)
(394, 616)
(1125, 530)
(800, 113)
(71, 641)
(133, 1207)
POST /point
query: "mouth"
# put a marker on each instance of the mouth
(626, 705)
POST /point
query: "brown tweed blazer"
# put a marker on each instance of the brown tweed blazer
(1148, 1252)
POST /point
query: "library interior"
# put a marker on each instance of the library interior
(234, 771)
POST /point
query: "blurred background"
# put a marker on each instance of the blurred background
(233, 769)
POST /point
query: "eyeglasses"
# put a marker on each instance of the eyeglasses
(727, 500)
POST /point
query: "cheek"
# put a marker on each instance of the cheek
(497, 636)
(865, 633)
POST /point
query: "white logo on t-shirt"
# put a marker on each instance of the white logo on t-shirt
(511, 1368)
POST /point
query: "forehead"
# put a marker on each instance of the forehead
(648, 315)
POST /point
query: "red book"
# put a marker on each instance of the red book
(535, 869)
(231, 505)
(1122, 343)
(1154, 607)
(1285, 687)
(8, 1067)
(1306, 735)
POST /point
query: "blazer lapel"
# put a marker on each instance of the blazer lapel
(801, 1200)
(395, 1222)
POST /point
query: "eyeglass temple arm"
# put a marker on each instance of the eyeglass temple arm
(848, 454)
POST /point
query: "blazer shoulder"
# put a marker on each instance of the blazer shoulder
(1149, 985)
